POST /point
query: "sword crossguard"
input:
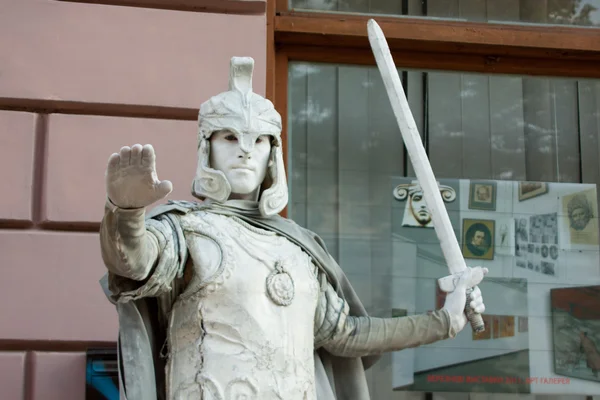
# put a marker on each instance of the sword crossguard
(448, 284)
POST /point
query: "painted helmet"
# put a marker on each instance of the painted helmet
(248, 115)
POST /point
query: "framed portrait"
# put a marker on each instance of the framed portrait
(529, 190)
(505, 236)
(478, 239)
(580, 219)
(576, 331)
(482, 195)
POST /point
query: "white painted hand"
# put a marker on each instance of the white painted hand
(456, 301)
(131, 180)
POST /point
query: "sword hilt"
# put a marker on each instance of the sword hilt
(448, 284)
(474, 318)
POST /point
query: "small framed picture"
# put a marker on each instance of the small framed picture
(505, 236)
(478, 239)
(482, 195)
(529, 190)
(507, 327)
(580, 220)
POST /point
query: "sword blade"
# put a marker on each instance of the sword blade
(415, 149)
(418, 157)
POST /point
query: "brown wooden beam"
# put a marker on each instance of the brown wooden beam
(474, 63)
(44, 106)
(41, 345)
(282, 5)
(435, 36)
(270, 86)
(281, 105)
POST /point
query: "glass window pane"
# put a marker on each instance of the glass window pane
(553, 12)
(519, 157)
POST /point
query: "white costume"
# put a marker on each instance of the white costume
(226, 300)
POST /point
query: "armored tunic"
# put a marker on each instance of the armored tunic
(256, 320)
(230, 338)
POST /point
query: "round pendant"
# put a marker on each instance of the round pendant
(280, 286)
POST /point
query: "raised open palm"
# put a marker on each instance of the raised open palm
(131, 180)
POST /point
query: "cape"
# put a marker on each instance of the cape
(142, 332)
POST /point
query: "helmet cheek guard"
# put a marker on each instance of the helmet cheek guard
(249, 116)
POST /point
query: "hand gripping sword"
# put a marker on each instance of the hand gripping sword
(416, 152)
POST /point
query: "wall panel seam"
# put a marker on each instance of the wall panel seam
(239, 7)
(40, 106)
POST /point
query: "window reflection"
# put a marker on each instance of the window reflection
(554, 12)
(520, 157)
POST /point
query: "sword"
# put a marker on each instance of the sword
(416, 152)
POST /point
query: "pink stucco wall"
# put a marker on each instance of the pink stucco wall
(94, 59)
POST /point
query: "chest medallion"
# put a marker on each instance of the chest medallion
(280, 285)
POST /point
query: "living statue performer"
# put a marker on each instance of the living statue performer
(225, 299)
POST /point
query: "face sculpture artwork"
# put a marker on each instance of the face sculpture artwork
(223, 298)
(416, 212)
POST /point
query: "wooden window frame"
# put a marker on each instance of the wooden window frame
(426, 44)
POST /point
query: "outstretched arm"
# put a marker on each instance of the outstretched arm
(128, 248)
(350, 336)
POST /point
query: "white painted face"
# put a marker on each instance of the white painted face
(244, 171)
